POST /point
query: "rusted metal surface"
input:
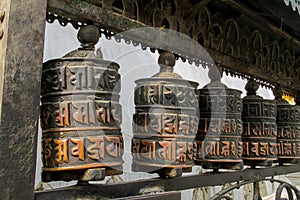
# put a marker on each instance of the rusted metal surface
(219, 137)
(24, 26)
(81, 114)
(165, 122)
(259, 128)
(186, 182)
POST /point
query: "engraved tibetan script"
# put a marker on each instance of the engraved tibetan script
(85, 149)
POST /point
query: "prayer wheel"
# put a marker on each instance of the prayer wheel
(259, 128)
(219, 137)
(288, 129)
(165, 122)
(81, 114)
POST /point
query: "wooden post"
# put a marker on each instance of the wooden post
(21, 53)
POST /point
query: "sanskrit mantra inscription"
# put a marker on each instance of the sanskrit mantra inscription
(288, 149)
(216, 148)
(288, 113)
(261, 108)
(257, 150)
(223, 101)
(81, 74)
(165, 94)
(91, 113)
(165, 123)
(81, 152)
(258, 128)
(220, 126)
(163, 152)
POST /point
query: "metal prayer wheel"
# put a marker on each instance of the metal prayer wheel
(259, 128)
(219, 137)
(288, 129)
(165, 122)
(81, 114)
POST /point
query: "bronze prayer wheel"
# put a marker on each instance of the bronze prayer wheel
(165, 122)
(81, 114)
(259, 128)
(219, 137)
(288, 129)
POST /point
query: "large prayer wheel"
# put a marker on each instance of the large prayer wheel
(219, 137)
(165, 122)
(81, 114)
(288, 129)
(259, 128)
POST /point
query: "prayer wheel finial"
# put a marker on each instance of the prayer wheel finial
(251, 87)
(88, 36)
(215, 74)
(166, 61)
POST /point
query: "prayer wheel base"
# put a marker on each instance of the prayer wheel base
(254, 163)
(283, 161)
(222, 165)
(163, 172)
(94, 174)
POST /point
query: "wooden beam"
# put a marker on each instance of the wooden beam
(20, 96)
(84, 12)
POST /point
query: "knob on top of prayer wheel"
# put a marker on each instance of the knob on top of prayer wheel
(251, 87)
(166, 62)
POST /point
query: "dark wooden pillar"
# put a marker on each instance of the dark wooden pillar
(21, 53)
